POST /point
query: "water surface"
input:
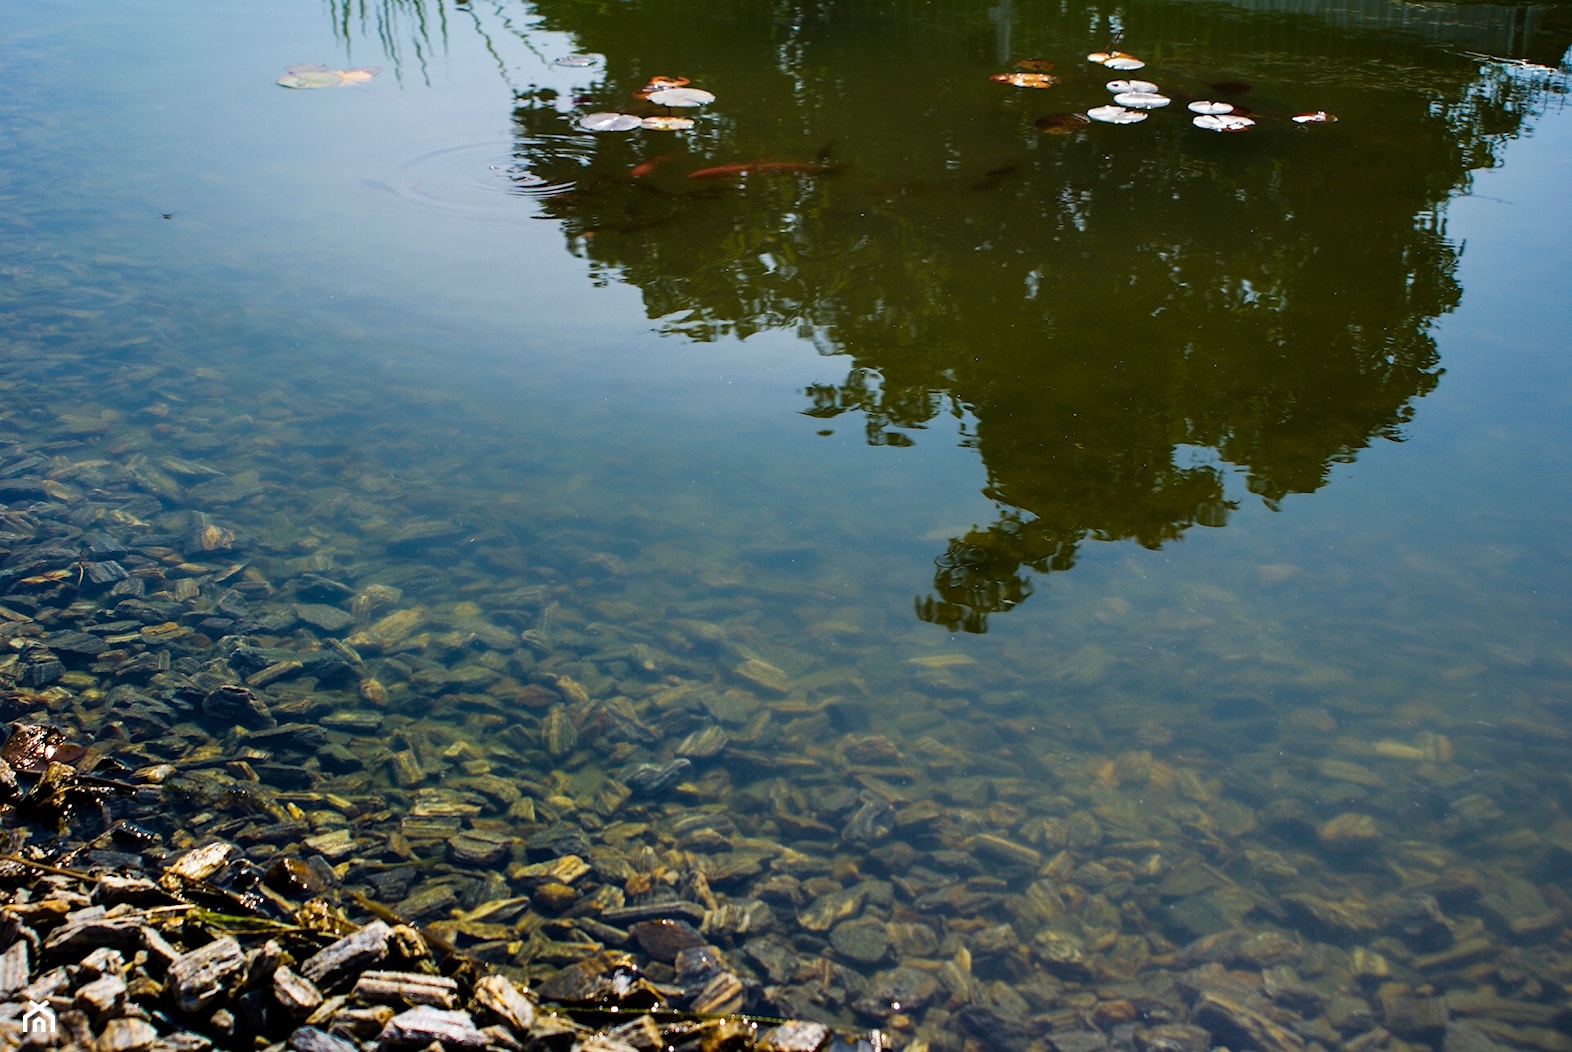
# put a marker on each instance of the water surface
(1206, 487)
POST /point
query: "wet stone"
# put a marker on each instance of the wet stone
(127, 1034)
(557, 732)
(13, 968)
(341, 961)
(1173, 1037)
(329, 619)
(1083, 1041)
(1350, 833)
(705, 743)
(1415, 1017)
(722, 995)
(652, 780)
(984, 1023)
(763, 675)
(475, 848)
(200, 977)
(504, 1000)
(237, 705)
(423, 1026)
(833, 907)
(296, 994)
(396, 988)
(871, 822)
(795, 1036)
(1239, 1020)
(862, 941)
(697, 965)
(775, 956)
(664, 939)
(903, 989)
(311, 1039)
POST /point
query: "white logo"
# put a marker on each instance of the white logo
(39, 1019)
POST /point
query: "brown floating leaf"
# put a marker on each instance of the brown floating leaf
(311, 79)
(1062, 123)
(658, 83)
(1035, 65)
(1026, 80)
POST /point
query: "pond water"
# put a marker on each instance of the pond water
(1000, 575)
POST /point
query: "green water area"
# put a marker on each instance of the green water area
(1020, 525)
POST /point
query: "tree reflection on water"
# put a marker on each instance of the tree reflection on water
(1117, 320)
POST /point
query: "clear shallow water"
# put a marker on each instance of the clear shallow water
(1175, 359)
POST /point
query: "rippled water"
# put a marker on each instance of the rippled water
(1182, 513)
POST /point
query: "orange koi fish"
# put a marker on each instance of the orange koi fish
(641, 170)
(727, 171)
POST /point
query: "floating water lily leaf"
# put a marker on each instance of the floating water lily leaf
(681, 97)
(667, 123)
(313, 79)
(1123, 63)
(1231, 87)
(1062, 123)
(586, 58)
(1318, 117)
(1119, 87)
(360, 74)
(1210, 106)
(306, 67)
(1099, 57)
(1116, 115)
(1035, 65)
(1026, 80)
(610, 122)
(1223, 122)
(1142, 100)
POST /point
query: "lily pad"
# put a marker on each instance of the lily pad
(609, 122)
(681, 97)
(1116, 60)
(360, 74)
(1142, 100)
(580, 60)
(1119, 87)
(1062, 123)
(667, 123)
(1035, 65)
(1116, 115)
(1318, 117)
(1211, 106)
(311, 79)
(1223, 122)
(1026, 80)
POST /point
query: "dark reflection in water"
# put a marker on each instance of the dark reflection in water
(1097, 308)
